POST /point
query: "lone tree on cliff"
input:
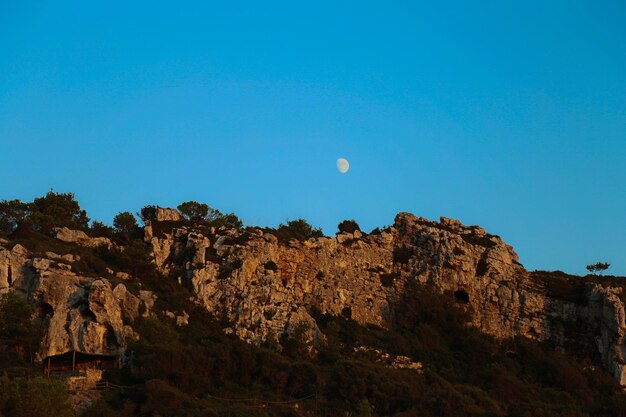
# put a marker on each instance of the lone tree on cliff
(598, 268)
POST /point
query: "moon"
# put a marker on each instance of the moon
(343, 165)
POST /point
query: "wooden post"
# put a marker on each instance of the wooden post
(73, 360)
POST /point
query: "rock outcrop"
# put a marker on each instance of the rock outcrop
(79, 237)
(265, 287)
(82, 314)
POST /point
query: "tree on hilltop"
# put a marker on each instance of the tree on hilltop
(125, 222)
(43, 214)
(598, 268)
(12, 214)
(57, 210)
(195, 212)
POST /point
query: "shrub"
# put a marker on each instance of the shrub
(348, 226)
(200, 213)
(193, 211)
(33, 397)
(18, 332)
(12, 214)
(229, 220)
(100, 229)
(298, 229)
(296, 342)
(43, 214)
(147, 213)
(125, 222)
(57, 210)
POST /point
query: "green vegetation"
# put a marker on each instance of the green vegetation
(22, 392)
(125, 222)
(57, 210)
(198, 370)
(19, 333)
(298, 229)
(147, 213)
(348, 226)
(598, 267)
(43, 214)
(12, 214)
(195, 212)
(33, 397)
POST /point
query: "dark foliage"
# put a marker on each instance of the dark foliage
(125, 223)
(33, 397)
(193, 211)
(43, 214)
(598, 267)
(561, 286)
(100, 229)
(203, 215)
(199, 370)
(20, 334)
(298, 229)
(348, 226)
(57, 210)
(147, 213)
(12, 214)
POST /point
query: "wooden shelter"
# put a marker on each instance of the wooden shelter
(73, 361)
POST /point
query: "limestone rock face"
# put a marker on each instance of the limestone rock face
(14, 271)
(79, 237)
(606, 305)
(265, 287)
(167, 214)
(83, 314)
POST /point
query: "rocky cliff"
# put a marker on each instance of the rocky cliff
(263, 285)
(83, 314)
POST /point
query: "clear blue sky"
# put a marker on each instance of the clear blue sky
(511, 115)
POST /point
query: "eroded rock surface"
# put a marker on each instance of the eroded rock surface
(82, 314)
(79, 237)
(264, 287)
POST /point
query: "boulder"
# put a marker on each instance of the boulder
(80, 238)
(167, 214)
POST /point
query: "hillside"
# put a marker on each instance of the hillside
(192, 314)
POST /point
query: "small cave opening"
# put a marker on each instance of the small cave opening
(86, 313)
(481, 267)
(461, 296)
(10, 276)
(347, 312)
(110, 339)
(44, 310)
(270, 266)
